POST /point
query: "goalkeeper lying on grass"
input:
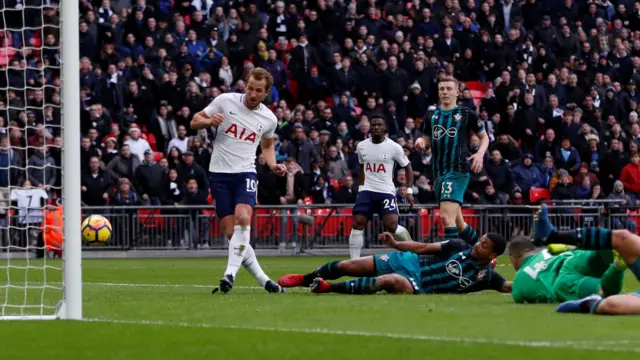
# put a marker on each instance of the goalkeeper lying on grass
(626, 244)
(542, 277)
(455, 266)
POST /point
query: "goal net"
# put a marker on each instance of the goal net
(39, 265)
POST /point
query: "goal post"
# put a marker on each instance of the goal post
(71, 174)
(40, 115)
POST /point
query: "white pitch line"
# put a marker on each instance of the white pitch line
(581, 345)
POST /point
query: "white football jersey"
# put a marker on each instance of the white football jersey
(239, 135)
(379, 161)
(29, 204)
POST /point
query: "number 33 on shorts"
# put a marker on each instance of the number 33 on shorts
(447, 189)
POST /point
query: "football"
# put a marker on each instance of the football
(96, 230)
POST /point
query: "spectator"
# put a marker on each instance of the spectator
(505, 145)
(87, 152)
(499, 171)
(348, 192)
(612, 164)
(188, 169)
(630, 175)
(181, 142)
(322, 192)
(547, 146)
(336, 167)
(528, 175)
(564, 190)
(619, 210)
(201, 153)
(42, 169)
(173, 187)
(110, 150)
(303, 151)
(197, 197)
(567, 157)
(147, 179)
(124, 164)
(96, 184)
(584, 173)
(137, 145)
(10, 164)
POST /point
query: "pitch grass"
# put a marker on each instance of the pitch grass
(171, 314)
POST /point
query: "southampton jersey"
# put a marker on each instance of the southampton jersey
(378, 161)
(239, 134)
(449, 133)
(534, 282)
(453, 270)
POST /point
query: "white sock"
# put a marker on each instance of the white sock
(356, 241)
(402, 234)
(238, 246)
(251, 263)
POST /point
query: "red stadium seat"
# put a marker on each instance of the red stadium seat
(425, 223)
(437, 222)
(335, 184)
(266, 223)
(214, 223)
(539, 194)
(332, 226)
(346, 219)
(471, 217)
(152, 219)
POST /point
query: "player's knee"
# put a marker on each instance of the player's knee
(359, 222)
(394, 283)
(242, 215)
(610, 306)
(449, 213)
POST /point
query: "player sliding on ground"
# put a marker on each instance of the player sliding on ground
(377, 192)
(626, 244)
(240, 123)
(542, 277)
(451, 266)
(447, 132)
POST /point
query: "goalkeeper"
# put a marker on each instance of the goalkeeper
(559, 274)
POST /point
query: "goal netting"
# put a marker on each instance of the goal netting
(35, 147)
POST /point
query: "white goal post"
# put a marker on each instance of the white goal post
(43, 289)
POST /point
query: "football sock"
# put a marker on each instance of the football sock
(328, 271)
(469, 235)
(252, 265)
(238, 246)
(635, 268)
(356, 241)
(612, 281)
(585, 238)
(359, 286)
(450, 233)
(402, 234)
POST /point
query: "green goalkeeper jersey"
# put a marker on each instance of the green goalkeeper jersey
(534, 282)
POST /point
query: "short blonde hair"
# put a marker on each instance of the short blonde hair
(261, 74)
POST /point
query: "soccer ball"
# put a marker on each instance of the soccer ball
(96, 230)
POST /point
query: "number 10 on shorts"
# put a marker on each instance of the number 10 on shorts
(252, 185)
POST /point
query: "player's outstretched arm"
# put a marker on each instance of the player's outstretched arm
(411, 246)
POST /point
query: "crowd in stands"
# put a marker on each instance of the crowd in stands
(558, 80)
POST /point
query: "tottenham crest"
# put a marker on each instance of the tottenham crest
(457, 117)
(385, 157)
(260, 128)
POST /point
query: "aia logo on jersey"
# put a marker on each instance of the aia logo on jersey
(241, 133)
(375, 168)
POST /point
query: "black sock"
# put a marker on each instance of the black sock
(585, 238)
(359, 286)
(328, 271)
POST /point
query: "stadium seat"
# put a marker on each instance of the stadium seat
(537, 195)
(331, 227)
(335, 184)
(266, 223)
(471, 217)
(152, 219)
(425, 223)
(437, 222)
(214, 223)
(346, 219)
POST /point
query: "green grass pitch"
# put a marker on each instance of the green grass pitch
(163, 309)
